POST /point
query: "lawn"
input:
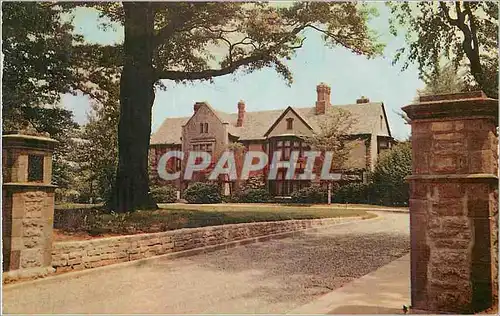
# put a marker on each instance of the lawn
(85, 223)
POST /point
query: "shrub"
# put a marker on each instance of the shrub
(203, 193)
(310, 195)
(253, 196)
(67, 196)
(393, 166)
(164, 194)
(355, 193)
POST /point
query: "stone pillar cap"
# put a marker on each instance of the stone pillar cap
(18, 136)
(466, 104)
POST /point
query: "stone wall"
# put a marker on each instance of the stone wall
(77, 255)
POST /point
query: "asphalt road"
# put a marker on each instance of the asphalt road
(270, 277)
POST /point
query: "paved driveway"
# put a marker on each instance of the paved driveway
(270, 277)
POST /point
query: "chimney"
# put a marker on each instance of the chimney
(362, 100)
(197, 105)
(241, 113)
(323, 100)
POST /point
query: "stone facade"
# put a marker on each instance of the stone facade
(77, 255)
(28, 205)
(453, 203)
(213, 131)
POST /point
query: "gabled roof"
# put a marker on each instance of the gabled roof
(256, 124)
(288, 109)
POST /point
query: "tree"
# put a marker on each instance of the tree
(389, 177)
(37, 49)
(97, 151)
(42, 59)
(179, 41)
(465, 33)
(446, 79)
(334, 137)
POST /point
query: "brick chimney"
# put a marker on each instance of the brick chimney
(323, 100)
(241, 113)
(362, 100)
(197, 105)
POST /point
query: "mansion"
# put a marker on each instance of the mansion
(210, 130)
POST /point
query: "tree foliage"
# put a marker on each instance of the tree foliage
(97, 152)
(389, 183)
(334, 136)
(43, 59)
(38, 54)
(465, 33)
(242, 36)
(446, 79)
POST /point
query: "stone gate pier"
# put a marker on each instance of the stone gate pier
(453, 203)
(27, 205)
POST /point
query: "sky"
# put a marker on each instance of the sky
(350, 76)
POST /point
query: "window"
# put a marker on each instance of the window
(282, 186)
(206, 127)
(201, 128)
(289, 123)
(381, 122)
(35, 168)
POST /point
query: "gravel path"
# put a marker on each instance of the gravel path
(270, 277)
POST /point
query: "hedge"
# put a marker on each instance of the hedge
(203, 193)
(164, 194)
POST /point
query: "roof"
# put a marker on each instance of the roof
(257, 123)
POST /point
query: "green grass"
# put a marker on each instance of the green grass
(176, 216)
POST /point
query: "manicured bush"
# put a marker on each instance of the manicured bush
(164, 194)
(389, 184)
(254, 196)
(354, 193)
(310, 195)
(203, 193)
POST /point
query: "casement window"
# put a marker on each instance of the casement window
(282, 186)
(203, 128)
(287, 146)
(206, 147)
(289, 123)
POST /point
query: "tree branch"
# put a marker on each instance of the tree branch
(446, 11)
(210, 73)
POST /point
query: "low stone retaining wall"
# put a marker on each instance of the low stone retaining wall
(78, 255)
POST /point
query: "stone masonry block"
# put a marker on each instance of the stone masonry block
(447, 207)
(31, 258)
(463, 244)
(449, 257)
(450, 190)
(443, 126)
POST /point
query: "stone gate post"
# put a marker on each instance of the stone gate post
(27, 205)
(453, 203)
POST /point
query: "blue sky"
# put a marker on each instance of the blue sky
(350, 76)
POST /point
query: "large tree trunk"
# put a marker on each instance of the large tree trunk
(131, 190)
